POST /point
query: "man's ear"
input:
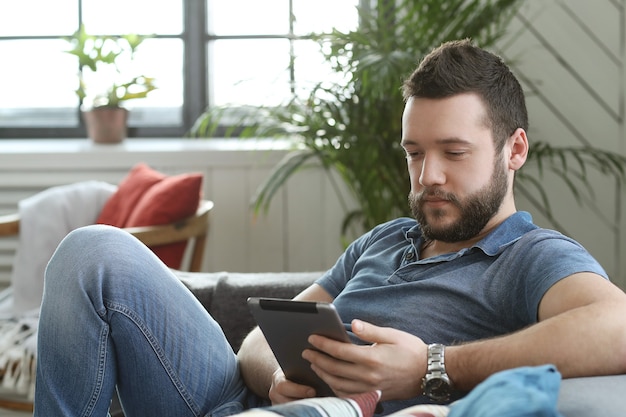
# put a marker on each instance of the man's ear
(518, 149)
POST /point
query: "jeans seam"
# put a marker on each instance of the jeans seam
(158, 350)
(104, 334)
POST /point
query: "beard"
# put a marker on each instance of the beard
(475, 210)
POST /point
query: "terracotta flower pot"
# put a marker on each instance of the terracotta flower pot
(106, 124)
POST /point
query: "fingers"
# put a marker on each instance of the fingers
(392, 361)
(373, 334)
(367, 332)
(283, 390)
(345, 367)
(345, 379)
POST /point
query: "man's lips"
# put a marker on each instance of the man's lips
(435, 201)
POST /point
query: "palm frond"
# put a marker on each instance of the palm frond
(353, 126)
(572, 165)
(290, 163)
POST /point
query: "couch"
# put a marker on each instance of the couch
(224, 295)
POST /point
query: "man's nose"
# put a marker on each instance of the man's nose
(432, 173)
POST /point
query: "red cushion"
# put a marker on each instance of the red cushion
(119, 206)
(163, 199)
(169, 200)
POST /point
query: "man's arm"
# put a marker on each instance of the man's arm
(581, 329)
(257, 362)
(259, 366)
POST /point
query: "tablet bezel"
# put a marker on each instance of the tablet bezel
(287, 324)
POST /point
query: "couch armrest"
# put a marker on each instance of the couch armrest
(593, 396)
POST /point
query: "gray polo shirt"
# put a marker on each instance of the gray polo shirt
(489, 289)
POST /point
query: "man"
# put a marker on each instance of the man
(471, 288)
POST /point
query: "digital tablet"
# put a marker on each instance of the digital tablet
(287, 324)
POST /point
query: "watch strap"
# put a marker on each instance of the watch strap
(436, 384)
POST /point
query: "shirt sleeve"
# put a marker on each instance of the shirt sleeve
(336, 278)
(544, 257)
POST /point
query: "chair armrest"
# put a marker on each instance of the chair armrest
(163, 234)
(193, 226)
(9, 225)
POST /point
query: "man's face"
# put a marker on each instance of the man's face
(458, 183)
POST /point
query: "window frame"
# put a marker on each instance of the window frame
(196, 75)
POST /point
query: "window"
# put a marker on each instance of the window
(201, 52)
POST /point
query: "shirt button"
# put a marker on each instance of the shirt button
(409, 256)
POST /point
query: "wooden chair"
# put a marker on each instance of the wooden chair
(194, 229)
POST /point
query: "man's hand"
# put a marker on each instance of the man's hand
(394, 362)
(283, 390)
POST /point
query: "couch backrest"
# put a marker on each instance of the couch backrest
(225, 294)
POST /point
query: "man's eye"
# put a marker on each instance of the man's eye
(456, 154)
(414, 155)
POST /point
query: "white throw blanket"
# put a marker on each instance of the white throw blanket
(45, 219)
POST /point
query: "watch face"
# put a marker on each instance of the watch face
(437, 389)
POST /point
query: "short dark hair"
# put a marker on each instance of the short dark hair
(458, 67)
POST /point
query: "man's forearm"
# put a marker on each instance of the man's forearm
(589, 340)
(257, 363)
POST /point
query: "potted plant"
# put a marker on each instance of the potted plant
(354, 128)
(106, 81)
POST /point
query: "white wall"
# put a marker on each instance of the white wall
(570, 58)
(299, 233)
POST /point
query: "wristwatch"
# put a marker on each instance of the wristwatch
(436, 384)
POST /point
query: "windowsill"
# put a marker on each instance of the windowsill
(43, 154)
(61, 146)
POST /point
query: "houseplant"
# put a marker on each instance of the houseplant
(354, 128)
(106, 81)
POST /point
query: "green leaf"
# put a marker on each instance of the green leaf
(353, 127)
(102, 55)
(291, 163)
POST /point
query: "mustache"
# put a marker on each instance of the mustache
(434, 194)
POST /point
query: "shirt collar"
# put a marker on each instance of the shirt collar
(507, 233)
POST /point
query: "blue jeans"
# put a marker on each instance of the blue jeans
(114, 315)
